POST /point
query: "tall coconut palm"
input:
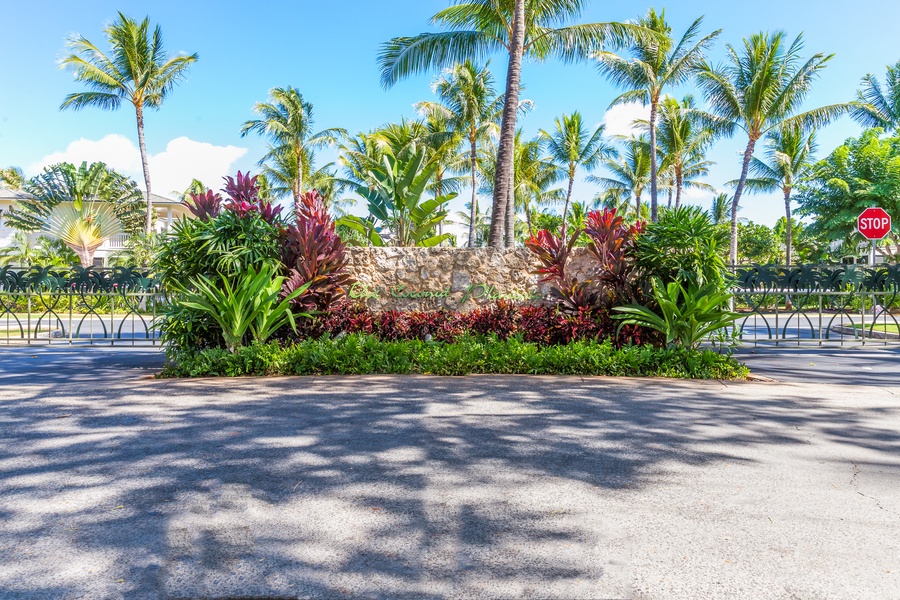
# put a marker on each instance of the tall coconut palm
(655, 65)
(630, 172)
(684, 134)
(880, 107)
(472, 108)
(137, 70)
(286, 121)
(535, 176)
(518, 28)
(788, 159)
(759, 89)
(572, 146)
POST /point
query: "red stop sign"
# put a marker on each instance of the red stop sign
(874, 223)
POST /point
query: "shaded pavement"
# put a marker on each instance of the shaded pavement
(114, 486)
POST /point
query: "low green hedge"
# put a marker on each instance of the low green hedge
(360, 354)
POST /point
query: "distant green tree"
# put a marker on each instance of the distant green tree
(758, 244)
(12, 177)
(861, 173)
(630, 173)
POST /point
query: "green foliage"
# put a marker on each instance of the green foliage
(228, 244)
(139, 251)
(45, 252)
(364, 354)
(758, 244)
(880, 106)
(394, 194)
(861, 173)
(684, 246)
(687, 316)
(252, 303)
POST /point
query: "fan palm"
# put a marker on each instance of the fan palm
(788, 159)
(478, 28)
(472, 108)
(571, 145)
(83, 227)
(64, 182)
(630, 172)
(655, 64)
(287, 122)
(759, 89)
(137, 71)
(880, 107)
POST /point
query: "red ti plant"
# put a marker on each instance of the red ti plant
(312, 252)
(205, 206)
(572, 295)
(242, 189)
(611, 241)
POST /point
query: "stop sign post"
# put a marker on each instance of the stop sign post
(874, 224)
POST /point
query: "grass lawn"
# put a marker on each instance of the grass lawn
(886, 327)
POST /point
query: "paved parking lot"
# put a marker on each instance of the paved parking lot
(117, 486)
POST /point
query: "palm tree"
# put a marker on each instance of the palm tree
(880, 107)
(287, 122)
(534, 177)
(655, 64)
(630, 172)
(788, 159)
(13, 178)
(482, 225)
(720, 210)
(684, 136)
(137, 70)
(757, 91)
(571, 146)
(477, 28)
(472, 108)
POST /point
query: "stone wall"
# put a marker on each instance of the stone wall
(447, 278)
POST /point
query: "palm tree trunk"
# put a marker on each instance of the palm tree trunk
(568, 198)
(474, 206)
(671, 187)
(511, 218)
(637, 207)
(145, 163)
(788, 233)
(679, 185)
(298, 183)
(503, 181)
(748, 154)
(528, 217)
(654, 168)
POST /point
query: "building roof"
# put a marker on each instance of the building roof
(10, 194)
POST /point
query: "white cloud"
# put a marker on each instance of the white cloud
(171, 170)
(619, 119)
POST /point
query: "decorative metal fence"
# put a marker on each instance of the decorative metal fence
(818, 304)
(66, 305)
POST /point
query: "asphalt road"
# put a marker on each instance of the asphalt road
(117, 486)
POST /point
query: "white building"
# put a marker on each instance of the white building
(167, 212)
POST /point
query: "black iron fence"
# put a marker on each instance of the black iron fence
(94, 305)
(817, 304)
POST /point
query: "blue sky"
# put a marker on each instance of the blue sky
(328, 50)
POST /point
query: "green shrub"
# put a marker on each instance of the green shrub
(684, 245)
(687, 316)
(359, 354)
